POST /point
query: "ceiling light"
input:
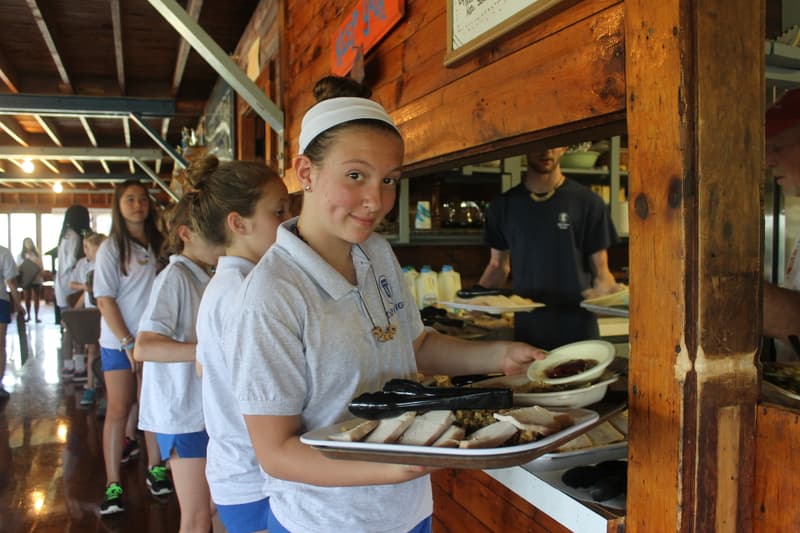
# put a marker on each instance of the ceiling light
(57, 187)
(27, 166)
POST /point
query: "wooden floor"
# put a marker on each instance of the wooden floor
(51, 461)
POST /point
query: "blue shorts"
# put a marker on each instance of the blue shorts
(186, 445)
(114, 359)
(244, 517)
(273, 526)
(5, 311)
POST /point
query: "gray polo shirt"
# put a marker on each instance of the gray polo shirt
(299, 342)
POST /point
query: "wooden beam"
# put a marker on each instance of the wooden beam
(8, 75)
(105, 166)
(51, 44)
(193, 10)
(116, 24)
(695, 95)
(10, 126)
(79, 153)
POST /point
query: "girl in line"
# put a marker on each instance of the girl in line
(70, 249)
(82, 281)
(326, 315)
(171, 401)
(124, 271)
(241, 205)
(33, 289)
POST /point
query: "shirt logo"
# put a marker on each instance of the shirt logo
(563, 220)
(386, 287)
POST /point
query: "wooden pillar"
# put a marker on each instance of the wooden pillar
(695, 84)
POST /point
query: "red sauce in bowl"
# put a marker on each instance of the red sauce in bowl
(570, 368)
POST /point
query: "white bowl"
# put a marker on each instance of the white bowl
(581, 396)
(601, 352)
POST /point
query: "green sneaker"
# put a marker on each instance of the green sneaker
(112, 503)
(158, 481)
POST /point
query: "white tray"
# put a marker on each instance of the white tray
(495, 310)
(616, 304)
(477, 458)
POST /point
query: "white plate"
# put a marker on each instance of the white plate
(577, 397)
(616, 304)
(319, 438)
(597, 350)
(495, 310)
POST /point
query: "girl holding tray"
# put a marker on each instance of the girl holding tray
(326, 315)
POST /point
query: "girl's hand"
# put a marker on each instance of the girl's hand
(132, 361)
(518, 357)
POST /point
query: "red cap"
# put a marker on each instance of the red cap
(784, 114)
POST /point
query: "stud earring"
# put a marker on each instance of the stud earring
(307, 188)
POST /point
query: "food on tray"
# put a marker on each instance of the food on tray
(497, 300)
(491, 436)
(390, 429)
(356, 433)
(612, 431)
(450, 438)
(427, 428)
(536, 419)
(570, 368)
(485, 428)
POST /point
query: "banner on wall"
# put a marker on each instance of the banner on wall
(364, 27)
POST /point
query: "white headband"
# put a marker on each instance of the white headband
(334, 111)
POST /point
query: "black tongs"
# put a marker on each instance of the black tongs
(401, 395)
(480, 290)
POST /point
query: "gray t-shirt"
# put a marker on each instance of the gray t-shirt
(233, 473)
(299, 343)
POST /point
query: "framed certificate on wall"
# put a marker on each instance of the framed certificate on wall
(472, 24)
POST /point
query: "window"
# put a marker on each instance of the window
(51, 229)
(4, 230)
(101, 221)
(24, 225)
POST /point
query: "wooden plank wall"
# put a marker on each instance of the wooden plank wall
(467, 501)
(563, 68)
(777, 485)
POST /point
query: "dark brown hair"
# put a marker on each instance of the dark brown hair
(223, 188)
(337, 87)
(119, 230)
(181, 214)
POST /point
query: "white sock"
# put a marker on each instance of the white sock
(80, 363)
(69, 364)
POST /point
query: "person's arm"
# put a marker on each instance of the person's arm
(781, 317)
(16, 302)
(442, 354)
(152, 346)
(111, 314)
(278, 448)
(77, 286)
(603, 281)
(496, 272)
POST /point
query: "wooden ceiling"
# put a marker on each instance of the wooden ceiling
(102, 48)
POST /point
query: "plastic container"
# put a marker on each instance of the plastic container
(422, 220)
(427, 287)
(410, 273)
(449, 283)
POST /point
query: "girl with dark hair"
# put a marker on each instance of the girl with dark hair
(70, 249)
(171, 403)
(325, 315)
(125, 267)
(240, 206)
(30, 259)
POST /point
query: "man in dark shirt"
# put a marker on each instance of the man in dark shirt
(554, 233)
